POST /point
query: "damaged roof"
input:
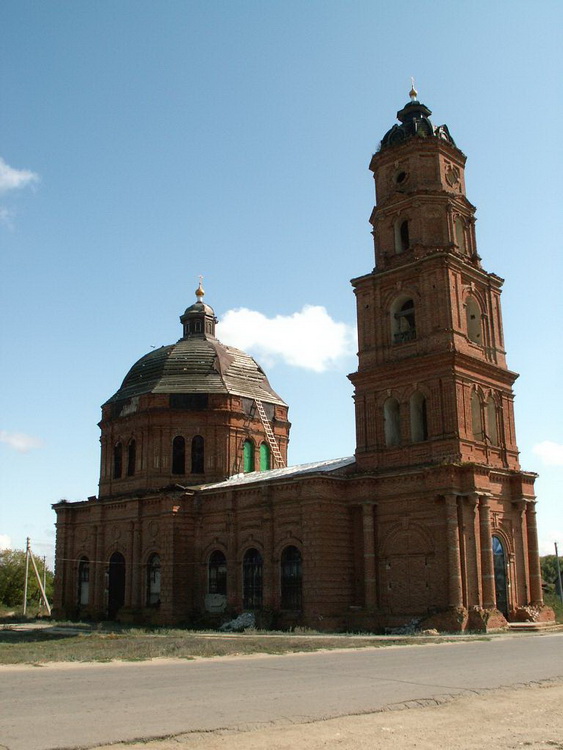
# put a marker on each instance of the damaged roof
(197, 365)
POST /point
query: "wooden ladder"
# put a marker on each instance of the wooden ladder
(274, 447)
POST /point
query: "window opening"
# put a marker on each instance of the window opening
(473, 314)
(492, 425)
(476, 416)
(131, 458)
(116, 584)
(419, 418)
(217, 573)
(460, 234)
(402, 241)
(153, 581)
(501, 577)
(248, 456)
(178, 455)
(392, 422)
(117, 461)
(198, 455)
(291, 578)
(252, 567)
(84, 581)
(264, 457)
(404, 323)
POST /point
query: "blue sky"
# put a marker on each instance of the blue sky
(145, 143)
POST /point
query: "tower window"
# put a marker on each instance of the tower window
(178, 455)
(392, 422)
(217, 573)
(131, 458)
(460, 234)
(402, 240)
(403, 322)
(419, 418)
(117, 461)
(492, 425)
(474, 326)
(476, 416)
(198, 455)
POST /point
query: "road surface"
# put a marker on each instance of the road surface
(71, 706)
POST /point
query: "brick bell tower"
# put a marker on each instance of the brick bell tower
(433, 394)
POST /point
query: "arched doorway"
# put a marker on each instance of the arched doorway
(501, 580)
(116, 584)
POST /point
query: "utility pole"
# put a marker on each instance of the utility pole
(558, 572)
(26, 575)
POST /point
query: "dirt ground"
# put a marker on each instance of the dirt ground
(528, 717)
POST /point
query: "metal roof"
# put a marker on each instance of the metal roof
(289, 472)
(197, 365)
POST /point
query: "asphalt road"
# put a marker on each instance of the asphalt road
(55, 707)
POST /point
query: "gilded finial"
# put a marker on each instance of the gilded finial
(413, 93)
(200, 291)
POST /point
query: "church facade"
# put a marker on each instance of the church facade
(198, 517)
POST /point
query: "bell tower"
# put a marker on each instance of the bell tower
(432, 386)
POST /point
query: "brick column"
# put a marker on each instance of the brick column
(536, 596)
(487, 563)
(473, 552)
(521, 590)
(455, 593)
(369, 557)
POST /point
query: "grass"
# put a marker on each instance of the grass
(93, 644)
(553, 601)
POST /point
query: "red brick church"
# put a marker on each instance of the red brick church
(198, 518)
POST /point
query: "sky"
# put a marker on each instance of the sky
(145, 143)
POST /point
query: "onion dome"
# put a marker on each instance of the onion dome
(415, 122)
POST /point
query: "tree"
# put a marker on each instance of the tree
(12, 579)
(549, 570)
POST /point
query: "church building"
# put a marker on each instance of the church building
(198, 517)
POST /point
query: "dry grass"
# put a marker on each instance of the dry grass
(27, 645)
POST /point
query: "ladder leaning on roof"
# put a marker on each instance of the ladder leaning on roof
(279, 463)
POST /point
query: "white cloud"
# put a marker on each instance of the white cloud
(550, 453)
(19, 441)
(5, 542)
(310, 338)
(15, 179)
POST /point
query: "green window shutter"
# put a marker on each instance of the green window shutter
(248, 456)
(264, 457)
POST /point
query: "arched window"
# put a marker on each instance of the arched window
(419, 418)
(248, 456)
(264, 457)
(501, 578)
(217, 573)
(131, 458)
(117, 460)
(83, 581)
(153, 581)
(402, 241)
(178, 455)
(392, 422)
(460, 234)
(198, 455)
(476, 416)
(473, 315)
(403, 321)
(252, 579)
(291, 578)
(492, 425)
